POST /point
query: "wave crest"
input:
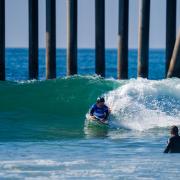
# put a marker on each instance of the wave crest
(144, 104)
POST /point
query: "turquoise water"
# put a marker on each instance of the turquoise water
(42, 123)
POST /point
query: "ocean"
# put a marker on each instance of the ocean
(43, 134)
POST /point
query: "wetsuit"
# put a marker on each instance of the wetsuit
(101, 113)
(173, 145)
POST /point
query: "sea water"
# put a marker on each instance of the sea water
(42, 123)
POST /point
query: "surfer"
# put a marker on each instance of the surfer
(173, 145)
(99, 110)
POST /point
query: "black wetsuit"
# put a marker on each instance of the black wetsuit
(173, 145)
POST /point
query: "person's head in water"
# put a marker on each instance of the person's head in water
(100, 101)
(174, 131)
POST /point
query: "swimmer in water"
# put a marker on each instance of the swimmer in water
(173, 145)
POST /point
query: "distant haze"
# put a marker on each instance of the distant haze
(17, 23)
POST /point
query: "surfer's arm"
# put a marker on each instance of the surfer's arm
(168, 147)
(107, 114)
(91, 112)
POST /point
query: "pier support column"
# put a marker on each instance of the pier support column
(123, 39)
(50, 39)
(170, 30)
(100, 37)
(72, 37)
(174, 68)
(143, 43)
(33, 39)
(2, 40)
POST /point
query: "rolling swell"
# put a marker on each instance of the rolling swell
(56, 109)
(48, 109)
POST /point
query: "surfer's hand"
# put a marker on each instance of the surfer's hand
(104, 120)
(92, 117)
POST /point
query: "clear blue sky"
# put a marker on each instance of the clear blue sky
(17, 23)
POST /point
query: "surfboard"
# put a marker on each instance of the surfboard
(96, 122)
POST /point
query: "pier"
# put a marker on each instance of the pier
(143, 42)
(123, 39)
(50, 39)
(72, 37)
(174, 67)
(33, 39)
(170, 30)
(2, 40)
(172, 51)
(100, 37)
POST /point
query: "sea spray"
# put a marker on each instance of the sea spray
(144, 104)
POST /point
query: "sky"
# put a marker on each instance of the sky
(17, 23)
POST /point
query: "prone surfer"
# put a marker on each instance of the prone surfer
(173, 145)
(99, 110)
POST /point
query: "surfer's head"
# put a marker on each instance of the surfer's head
(174, 130)
(100, 101)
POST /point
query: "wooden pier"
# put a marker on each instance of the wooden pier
(123, 39)
(100, 37)
(143, 44)
(2, 40)
(174, 68)
(33, 39)
(172, 63)
(72, 37)
(50, 39)
(170, 30)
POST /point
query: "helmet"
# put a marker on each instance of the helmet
(100, 99)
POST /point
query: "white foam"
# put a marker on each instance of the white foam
(8, 164)
(144, 104)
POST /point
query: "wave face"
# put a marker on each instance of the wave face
(45, 109)
(56, 109)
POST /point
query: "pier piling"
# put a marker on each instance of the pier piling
(100, 37)
(72, 37)
(2, 40)
(170, 30)
(143, 42)
(33, 39)
(50, 39)
(172, 64)
(123, 39)
(174, 68)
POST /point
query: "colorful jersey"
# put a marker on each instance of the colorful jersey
(99, 112)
